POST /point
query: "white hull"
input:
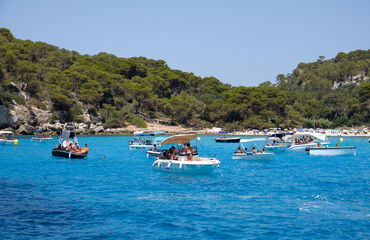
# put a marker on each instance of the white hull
(254, 157)
(203, 165)
(274, 149)
(140, 147)
(7, 142)
(332, 151)
(152, 154)
(42, 139)
(303, 147)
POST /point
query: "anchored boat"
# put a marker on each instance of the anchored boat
(145, 141)
(7, 138)
(40, 138)
(331, 151)
(225, 139)
(248, 150)
(184, 158)
(304, 140)
(68, 148)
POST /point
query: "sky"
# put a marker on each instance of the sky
(242, 43)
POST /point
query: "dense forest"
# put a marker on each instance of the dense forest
(121, 91)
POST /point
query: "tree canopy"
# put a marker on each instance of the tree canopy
(131, 90)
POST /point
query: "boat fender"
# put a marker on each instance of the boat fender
(159, 164)
(181, 163)
(169, 164)
(307, 149)
(69, 156)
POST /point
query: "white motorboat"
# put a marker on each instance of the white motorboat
(41, 138)
(145, 141)
(248, 150)
(304, 140)
(184, 162)
(7, 138)
(331, 151)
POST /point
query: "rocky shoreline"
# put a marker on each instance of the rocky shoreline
(25, 120)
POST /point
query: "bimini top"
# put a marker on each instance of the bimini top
(320, 136)
(179, 139)
(6, 132)
(67, 134)
(252, 140)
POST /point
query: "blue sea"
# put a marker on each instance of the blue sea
(295, 196)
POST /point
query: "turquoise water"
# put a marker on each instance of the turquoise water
(295, 196)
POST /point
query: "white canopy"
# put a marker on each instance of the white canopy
(320, 136)
(6, 132)
(179, 139)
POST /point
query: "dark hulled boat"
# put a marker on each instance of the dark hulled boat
(227, 139)
(59, 152)
(67, 148)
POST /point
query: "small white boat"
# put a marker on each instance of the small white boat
(42, 138)
(332, 151)
(7, 138)
(145, 141)
(182, 163)
(301, 147)
(247, 150)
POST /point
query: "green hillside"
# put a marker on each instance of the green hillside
(123, 91)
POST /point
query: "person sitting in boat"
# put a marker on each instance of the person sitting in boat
(336, 145)
(164, 154)
(189, 151)
(263, 150)
(319, 145)
(254, 150)
(173, 153)
(268, 144)
(239, 150)
(154, 148)
(276, 143)
(282, 143)
(184, 149)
